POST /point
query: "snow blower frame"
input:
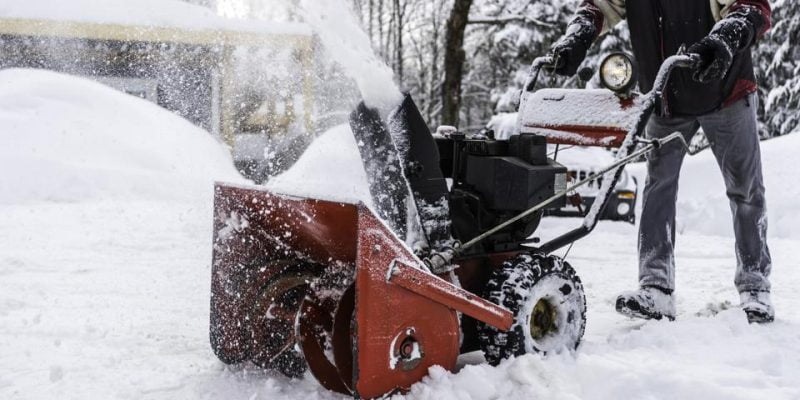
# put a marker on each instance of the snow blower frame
(368, 298)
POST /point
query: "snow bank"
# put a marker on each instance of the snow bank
(703, 206)
(159, 13)
(330, 169)
(69, 139)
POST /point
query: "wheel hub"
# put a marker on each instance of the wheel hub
(543, 319)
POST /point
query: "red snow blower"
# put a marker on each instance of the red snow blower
(443, 262)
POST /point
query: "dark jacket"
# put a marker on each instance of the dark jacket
(660, 27)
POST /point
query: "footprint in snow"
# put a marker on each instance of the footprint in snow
(712, 309)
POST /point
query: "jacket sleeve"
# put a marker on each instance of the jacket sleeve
(756, 13)
(588, 14)
(603, 14)
(600, 14)
(759, 13)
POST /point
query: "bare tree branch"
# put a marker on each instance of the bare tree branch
(505, 19)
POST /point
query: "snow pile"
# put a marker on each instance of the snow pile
(703, 206)
(156, 13)
(68, 139)
(330, 169)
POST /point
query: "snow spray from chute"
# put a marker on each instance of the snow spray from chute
(348, 44)
(341, 35)
(383, 147)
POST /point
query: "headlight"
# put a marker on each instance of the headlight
(618, 72)
(623, 209)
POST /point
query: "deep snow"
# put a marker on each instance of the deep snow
(105, 293)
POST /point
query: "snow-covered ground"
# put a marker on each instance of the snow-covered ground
(105, 269)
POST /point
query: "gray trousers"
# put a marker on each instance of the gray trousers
(733, 135)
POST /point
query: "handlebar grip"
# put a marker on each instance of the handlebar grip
(690, 61)
(549, 61)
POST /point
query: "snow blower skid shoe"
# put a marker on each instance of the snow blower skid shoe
(441, 263)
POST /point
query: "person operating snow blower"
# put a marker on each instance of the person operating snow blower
(718, 96)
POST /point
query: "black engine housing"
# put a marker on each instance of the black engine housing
(494, 180)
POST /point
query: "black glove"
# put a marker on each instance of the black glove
(568, 54)
(717, 50)
(570, 50)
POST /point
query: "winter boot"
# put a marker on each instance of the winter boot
(758, 307)
(649, 302)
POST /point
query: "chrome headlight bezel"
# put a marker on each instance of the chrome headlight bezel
(618, 72)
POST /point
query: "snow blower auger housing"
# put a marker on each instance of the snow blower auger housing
(367, 298)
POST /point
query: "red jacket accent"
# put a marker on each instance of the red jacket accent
(763, 8)
(590, 10)
(742, 89)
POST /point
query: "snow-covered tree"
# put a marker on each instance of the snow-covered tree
(778, 69)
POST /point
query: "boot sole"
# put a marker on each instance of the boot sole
(632, 310)
(756, 317)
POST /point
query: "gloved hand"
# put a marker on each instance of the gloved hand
(568, 54)
(570, 50)
(717, 50)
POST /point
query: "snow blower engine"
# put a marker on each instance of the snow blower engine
(442, 261)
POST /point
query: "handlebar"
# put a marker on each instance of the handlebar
(677, 61)
(690, 61)
(536, 67)
(540, 62)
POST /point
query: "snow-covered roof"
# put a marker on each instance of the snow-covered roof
(144, 20)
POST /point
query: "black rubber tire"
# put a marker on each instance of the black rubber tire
(518, 286)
